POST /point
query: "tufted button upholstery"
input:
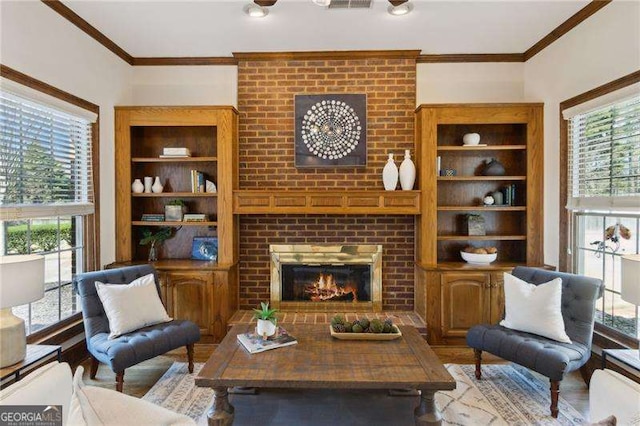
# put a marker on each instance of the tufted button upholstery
(548, 357)
(137, 346)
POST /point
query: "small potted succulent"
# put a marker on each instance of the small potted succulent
(267, 321)
(174, 210)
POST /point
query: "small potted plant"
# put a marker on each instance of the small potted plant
(267, 321)
(174, 211)
(155, 238)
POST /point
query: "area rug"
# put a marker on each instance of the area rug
(506, 395)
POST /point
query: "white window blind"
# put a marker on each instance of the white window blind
(604, 158)
(45, 160)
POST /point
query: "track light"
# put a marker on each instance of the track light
(399, 7)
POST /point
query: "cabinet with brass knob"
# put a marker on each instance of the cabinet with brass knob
(460, 299)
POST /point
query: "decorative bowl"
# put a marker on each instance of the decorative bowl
(471, 139)
(478, 259)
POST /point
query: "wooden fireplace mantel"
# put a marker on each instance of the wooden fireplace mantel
(326, 202)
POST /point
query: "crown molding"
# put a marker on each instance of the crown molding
(559, 31)
(196, 60)
(89, 29)
(470, 57)
(565, 27)
(326, 55)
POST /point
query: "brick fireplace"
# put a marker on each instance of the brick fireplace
(266, 90)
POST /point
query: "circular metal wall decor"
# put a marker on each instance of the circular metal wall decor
(330, 130)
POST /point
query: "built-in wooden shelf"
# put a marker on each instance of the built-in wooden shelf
(177, 265)
(482, 237)
(464, 266)
(483, 148)
(480, 178)
(173, 160)
(327, 202)
(150, 223)
(481, 208)
(175, 194)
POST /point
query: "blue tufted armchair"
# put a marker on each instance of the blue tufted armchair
(131, 348)
(548, 357)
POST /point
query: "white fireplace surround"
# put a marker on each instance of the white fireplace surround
(304, 254)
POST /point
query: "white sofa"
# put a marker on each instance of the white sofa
(53, 384)
(611, 393)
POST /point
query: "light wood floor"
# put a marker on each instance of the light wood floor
(140, 378)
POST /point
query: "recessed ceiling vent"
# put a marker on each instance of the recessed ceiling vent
(350, 4)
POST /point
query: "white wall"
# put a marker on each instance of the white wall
(185, 85)
(601, 49)
(470, 82)
(40, 43)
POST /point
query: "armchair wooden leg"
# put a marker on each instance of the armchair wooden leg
(119, 381)
(478, 356)
(190, 357)
(94, 367)
(555, 393)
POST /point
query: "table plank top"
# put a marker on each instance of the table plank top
(320, 361)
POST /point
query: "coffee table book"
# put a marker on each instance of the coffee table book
(254, 343)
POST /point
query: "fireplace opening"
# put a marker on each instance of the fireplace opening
(326, 277)
(326, 283)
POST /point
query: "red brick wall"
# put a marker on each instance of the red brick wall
(266, 92)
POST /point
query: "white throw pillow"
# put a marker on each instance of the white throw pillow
(534, 308)
(131, 306)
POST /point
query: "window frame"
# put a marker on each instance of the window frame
(91, 223)
(566, 217)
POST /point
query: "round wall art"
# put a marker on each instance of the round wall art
(330, 130)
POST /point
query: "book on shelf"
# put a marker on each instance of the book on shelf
(509, 193)
(254, 343)
(194, 217)
(176, 152)
(197, 181)
(148, 217)
(174, 156)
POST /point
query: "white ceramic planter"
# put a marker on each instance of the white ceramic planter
(471, 139)
(265, 328)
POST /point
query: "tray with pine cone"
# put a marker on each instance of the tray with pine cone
(364, 329)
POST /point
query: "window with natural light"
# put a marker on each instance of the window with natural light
(46, 197)
(604, 196)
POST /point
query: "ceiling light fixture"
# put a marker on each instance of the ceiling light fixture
(399, 7)
(323, 3)
(259, 8)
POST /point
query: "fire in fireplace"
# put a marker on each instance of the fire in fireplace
(326, 283)
(315, 277)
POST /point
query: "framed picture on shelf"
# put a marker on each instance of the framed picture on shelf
(331, 130)
(205, 248)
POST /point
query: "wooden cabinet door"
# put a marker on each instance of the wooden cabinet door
(189, 297)
(465, 302)
(497, 297)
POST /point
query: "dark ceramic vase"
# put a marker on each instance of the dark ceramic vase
(493, 168)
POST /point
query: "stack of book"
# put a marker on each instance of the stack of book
(194, 217)
(197, 181)
(152, 217)
(509, 193)
(175, 153)
(254, 343)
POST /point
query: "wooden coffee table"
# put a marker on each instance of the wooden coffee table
(320, 361)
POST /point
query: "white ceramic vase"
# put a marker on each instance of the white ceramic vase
(137, 187)
(265, 328)
(148, 183)
(407, 172)
(390, 175)
(157, 186)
